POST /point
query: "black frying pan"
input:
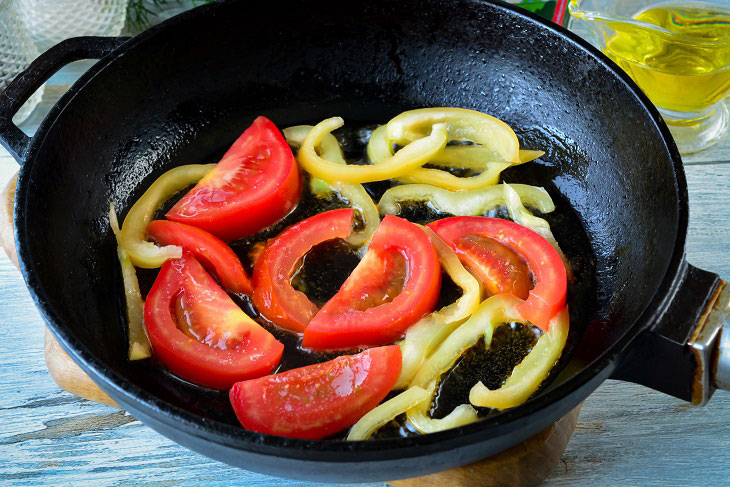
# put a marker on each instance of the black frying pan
(182, 91)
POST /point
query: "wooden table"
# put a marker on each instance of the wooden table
(626, 435)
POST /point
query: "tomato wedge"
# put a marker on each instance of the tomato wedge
(274, 296)
(393, 286)
(467, 234)
(255, 184)
(209, 250)
(199, 333)
(499, 268)
(318, 400)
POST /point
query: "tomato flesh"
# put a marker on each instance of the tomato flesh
(256, 183)
(465, 234)
(319, 400)
(199, 333)
(209, 250)
(273, 296)
(500, 269)
(393, 286)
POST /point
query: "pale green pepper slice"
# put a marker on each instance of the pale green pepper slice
(139, 344)
(354, 193)
(527, 376)
(410, 157)
(133, 237)
(463, 203)
(423, 337)
(462, 125)
(375, 418)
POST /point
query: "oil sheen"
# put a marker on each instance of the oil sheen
(685, 67)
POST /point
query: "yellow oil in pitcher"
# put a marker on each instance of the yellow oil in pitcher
(683, 66)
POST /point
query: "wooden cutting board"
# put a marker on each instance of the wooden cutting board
(526, 464)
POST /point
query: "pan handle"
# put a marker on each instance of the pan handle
(687, 354)
(25, 84)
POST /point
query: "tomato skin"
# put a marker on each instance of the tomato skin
(316, 401)
(255, 184)
(214, 315)
(344, 323)
(209, 250)
(273, 296)
(548, 295)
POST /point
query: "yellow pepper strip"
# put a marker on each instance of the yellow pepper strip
(446, 180)
(519, 214)
(418, 415)
(423, 337)
(328, 148)
(375, 418)
(410, 157)
(529, 374)
(133, 237)
(379, 149)
(462, 124)
(463, 203)
(530, 155)
(139, 344)
(495, 310)
(355, 194)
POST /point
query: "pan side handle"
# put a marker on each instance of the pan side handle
(27, 82)
(687, 354)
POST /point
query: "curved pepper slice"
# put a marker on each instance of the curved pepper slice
(498, 309)
(369, 424)
(355, 194)
(519, 214)
(139, 344)
(380, 149)
(462, 125)
(528, 374)
(133, 238)
(273, 295)
(410, 157)
(422, 338)
(463, 203)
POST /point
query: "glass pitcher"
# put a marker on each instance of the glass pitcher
(678, 52)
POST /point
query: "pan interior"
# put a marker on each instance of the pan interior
(180, 99)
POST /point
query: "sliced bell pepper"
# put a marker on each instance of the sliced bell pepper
(529, 374)
(353, 193)
(463, 203)
(410, 157)
(139, 344)
(133, 237)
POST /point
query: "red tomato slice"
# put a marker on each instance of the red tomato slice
(318, 400)
(209, 250)
(274, 296)
(255, 184)
(372, 307)
(500, 269)
(548, 295)
(199, 333)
